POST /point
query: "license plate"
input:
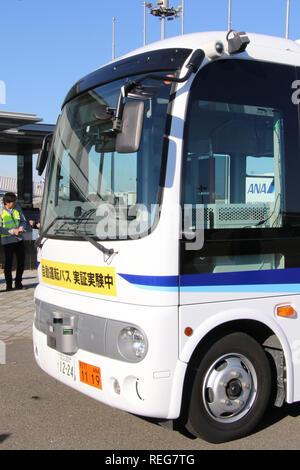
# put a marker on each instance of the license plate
(66, 366)
(90, 375)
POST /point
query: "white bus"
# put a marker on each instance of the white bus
(169, 254)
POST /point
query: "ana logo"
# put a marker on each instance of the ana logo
(261, 188)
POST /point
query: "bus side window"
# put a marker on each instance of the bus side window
(242, 164)
(238, 177)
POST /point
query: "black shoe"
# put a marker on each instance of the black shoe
(19, 286)
(8, 288)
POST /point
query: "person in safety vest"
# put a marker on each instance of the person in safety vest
(12, 225)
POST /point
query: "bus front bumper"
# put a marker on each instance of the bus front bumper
(150, 388)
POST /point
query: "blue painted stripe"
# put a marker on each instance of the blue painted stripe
(242, 278)
(151, 281)
(280, 280)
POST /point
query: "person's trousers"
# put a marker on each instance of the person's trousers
(9, 250)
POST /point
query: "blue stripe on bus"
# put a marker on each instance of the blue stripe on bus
(279, 280)
(151, 281)
(272, 276)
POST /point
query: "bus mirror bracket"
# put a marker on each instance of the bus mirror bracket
(193, 65)
(128, 121)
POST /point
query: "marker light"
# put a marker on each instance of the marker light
(188, 331)
(286, 311)
(166, 82)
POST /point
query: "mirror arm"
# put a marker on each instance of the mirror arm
(192, 66)
(117, 124)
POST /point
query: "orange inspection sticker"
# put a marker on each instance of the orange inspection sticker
(85, 278)
(90, 375)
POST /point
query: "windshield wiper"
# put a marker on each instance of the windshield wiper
(106, 251)
(44, 232)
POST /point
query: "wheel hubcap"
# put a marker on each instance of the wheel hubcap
(229, 388)
(234, 389)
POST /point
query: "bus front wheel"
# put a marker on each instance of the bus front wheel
(231, 389)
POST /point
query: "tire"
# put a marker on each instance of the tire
(231, 389)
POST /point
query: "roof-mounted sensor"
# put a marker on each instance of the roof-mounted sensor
(238, 42)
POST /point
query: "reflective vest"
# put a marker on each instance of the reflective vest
(9, 221)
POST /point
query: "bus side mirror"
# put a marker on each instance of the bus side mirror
(128, 140)
(44, 153)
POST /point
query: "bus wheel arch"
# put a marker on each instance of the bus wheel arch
(257, 356)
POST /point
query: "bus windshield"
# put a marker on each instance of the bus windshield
(91, 189)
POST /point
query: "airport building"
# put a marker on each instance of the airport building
(21, 137)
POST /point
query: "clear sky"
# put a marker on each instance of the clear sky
(47, 45)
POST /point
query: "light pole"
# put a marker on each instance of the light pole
(148, 5)
(113, 37)
(229, 15)
(163, 11)
(287, 22)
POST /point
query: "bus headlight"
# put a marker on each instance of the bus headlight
(132, 344)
